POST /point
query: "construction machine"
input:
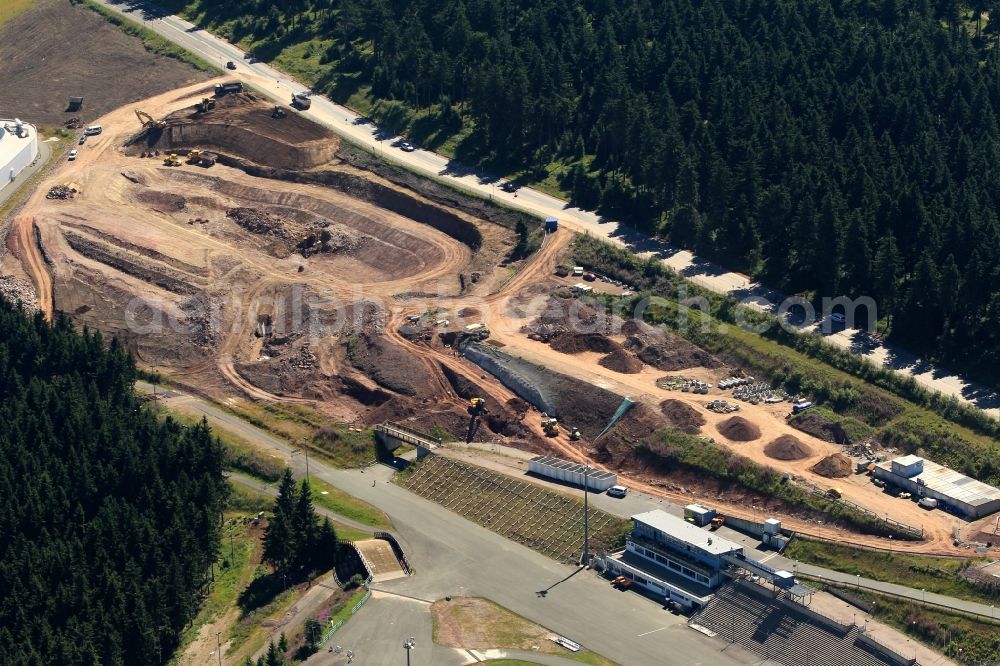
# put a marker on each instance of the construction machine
(206, 104)
(476, 409)
(194, 156)
(148, 121)
(574, 435)
(172, 160)
(278, 112)
(550, 426)
(717, 522)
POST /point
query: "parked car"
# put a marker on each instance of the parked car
(617, 491)
(72, 154)
(407, 147)
(83, 140)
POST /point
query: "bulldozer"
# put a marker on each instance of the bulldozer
(574, 435)
(172, 160)
(148, 121)
(206, 104)
(476, 409)
(550, 426)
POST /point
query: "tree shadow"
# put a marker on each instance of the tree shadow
(260, 592)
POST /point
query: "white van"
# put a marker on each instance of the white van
(617, 491)
(93, 129)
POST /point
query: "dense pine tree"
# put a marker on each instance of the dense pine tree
(296, 543)
(110, 518)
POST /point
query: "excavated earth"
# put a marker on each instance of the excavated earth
(787, 447)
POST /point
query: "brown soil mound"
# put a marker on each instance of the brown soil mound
(622, 361)
(574, 343)
(664, 350)
(787, 447)
(682, 416)
(469, 312)
(738, 429)
(834, 466)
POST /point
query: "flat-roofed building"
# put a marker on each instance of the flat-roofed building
(953, 490)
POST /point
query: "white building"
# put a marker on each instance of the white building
(18, 148)
(953, 490)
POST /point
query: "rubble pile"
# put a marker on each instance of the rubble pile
(73, 123)
(20, 291)
(257, 221)
(61, 192)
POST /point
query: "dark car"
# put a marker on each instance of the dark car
(230, 65)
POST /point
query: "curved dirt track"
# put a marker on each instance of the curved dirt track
(24, 231)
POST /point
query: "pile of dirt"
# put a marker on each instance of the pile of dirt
(663, 350)
(622, 361)
(819, 426)
(834, 466)
(682, 415)
(61, 192)
(574, 343)
(738, 429)
(16, 290)
(787, 447)
(569, 316)
(388, 365)
(257, 221)
(330, 240)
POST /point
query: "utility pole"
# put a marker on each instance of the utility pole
(303, 450)
(586, 515)
(218, 643)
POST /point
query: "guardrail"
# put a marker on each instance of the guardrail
(993, 618)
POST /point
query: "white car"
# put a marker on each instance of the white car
(73, 154)
(407, 147)
(617, 491)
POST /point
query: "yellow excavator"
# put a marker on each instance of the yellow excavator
(476, 409)
(148, 121)
(172, 160)
(194, 156)
(206, 104)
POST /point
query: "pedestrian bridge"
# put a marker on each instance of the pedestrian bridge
(390, 436)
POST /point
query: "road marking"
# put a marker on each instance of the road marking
(651, 632)
(769, 557)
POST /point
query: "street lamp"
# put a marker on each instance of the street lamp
(409, 645)
(586, 516)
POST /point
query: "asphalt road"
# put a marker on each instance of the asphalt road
(453, 556)
(704, 273)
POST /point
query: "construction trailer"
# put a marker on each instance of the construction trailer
(699, 515)
(551, 225)
(570, 472)
(75, 104)
(228, 88)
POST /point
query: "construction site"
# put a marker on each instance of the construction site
(242, 250)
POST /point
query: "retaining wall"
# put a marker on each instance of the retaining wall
(491, 362)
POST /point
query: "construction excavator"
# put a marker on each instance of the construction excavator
(206, 104)
(476, 409)
(172, 160)
(148, 121)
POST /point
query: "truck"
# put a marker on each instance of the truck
(800, 407)
(301, 101)
(717, 522)
(228, 87)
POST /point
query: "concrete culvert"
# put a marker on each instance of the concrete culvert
(738, 429)
(787, 447)
(834, 466)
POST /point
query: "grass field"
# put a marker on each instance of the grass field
(300, 426)
(542, 519)
(11, 8)
(345, 505)
(934, 574)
